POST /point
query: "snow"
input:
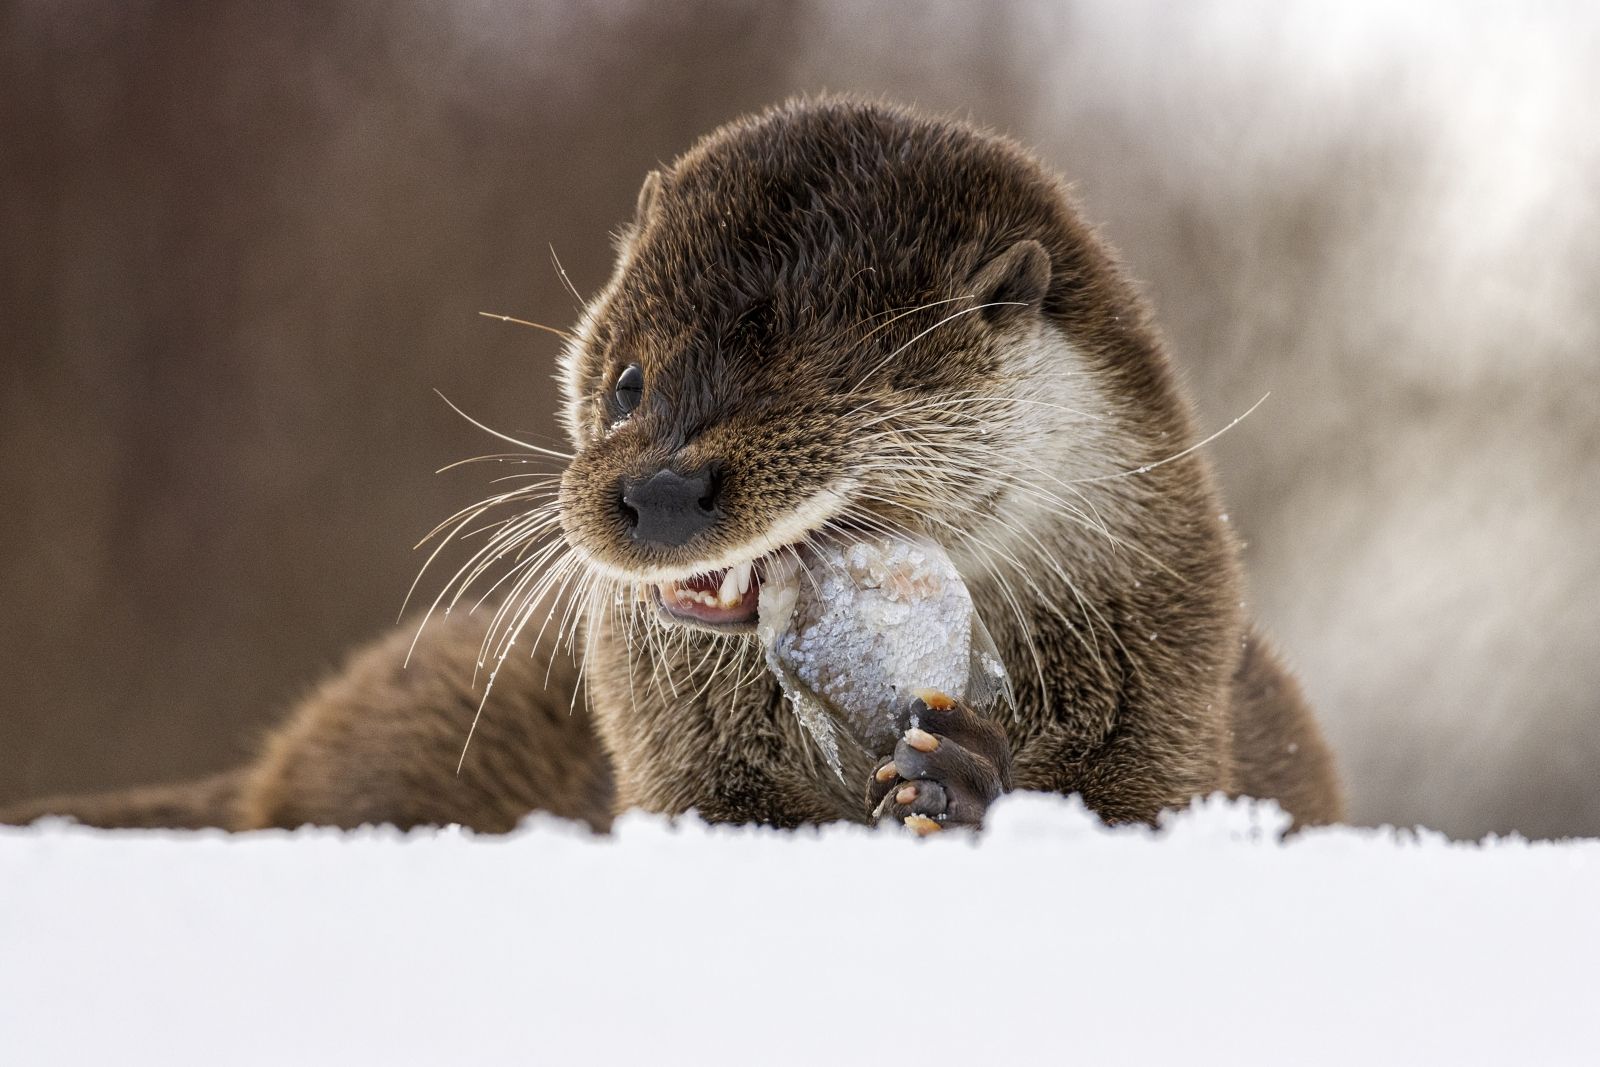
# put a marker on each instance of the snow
(1049, 937)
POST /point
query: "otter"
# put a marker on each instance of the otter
(835, 315)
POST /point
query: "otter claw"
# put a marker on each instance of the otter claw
(944, 772)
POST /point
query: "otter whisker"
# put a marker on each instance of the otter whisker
(963, 404)
(756, 665)
(521, 617)
(511, 530)
(896, 314)
(499, 457)
(532, 587)
(600, 586)
(591, 632)
(552, 453)
(930, 329)
(561, 272)
(543, 481)
(1091, 611)
(1147, 467)
(1044, 556)
(722, 649)
(554, 588)
(532, 563)
(1012, 481)
(917, 464)
(983, 462)
(512, 534)
(570, 615)
(986, 465)
(499, 658)
(626, 627)
(472, 513)
(563, 334)
(1055, 406)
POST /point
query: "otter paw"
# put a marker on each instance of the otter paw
(946, 770)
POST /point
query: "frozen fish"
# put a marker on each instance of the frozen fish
(852, 626)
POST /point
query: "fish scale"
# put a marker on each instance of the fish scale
(857, 625)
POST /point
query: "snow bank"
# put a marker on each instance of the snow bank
(1050, 938)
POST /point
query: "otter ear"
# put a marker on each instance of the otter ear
(1012, 284)
(648, 194)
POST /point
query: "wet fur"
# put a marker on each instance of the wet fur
(859, 316)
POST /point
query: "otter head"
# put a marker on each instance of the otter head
(832, 315)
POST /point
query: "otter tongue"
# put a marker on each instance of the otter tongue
(856, 626)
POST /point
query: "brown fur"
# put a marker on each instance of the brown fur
(761, 290)
(1278, 750)
(182, 806)
(379, 742)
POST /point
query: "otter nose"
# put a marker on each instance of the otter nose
(668, 508)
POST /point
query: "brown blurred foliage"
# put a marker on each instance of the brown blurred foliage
(243, 244)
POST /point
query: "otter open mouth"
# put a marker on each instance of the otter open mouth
(724, 599)
(728, 599)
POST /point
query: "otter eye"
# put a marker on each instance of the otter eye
(629, 388)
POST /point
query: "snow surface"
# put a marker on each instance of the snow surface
(1048, 938)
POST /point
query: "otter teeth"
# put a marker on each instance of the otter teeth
(728, 594)
(735, 584)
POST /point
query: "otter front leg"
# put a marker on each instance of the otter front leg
(945, 771)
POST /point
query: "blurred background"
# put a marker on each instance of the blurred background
(241, 244)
